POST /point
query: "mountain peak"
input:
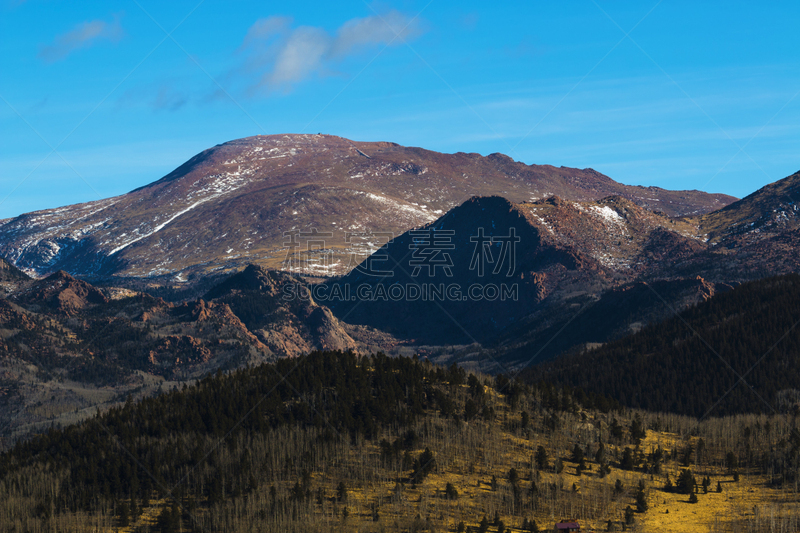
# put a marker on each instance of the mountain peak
(240, 202)
(770, 210)
(62, 293)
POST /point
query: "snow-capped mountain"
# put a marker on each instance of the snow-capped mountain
(268, 199)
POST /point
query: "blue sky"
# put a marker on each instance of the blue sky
(98, 98)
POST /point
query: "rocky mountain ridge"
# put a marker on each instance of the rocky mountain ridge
(66, 345)
(566, 254)
(279, 200)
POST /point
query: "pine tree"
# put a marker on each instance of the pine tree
(641, 499)
(686, 483)
(124, 515)
(637, 430)
(450, 492)
(134, 509)
(577, 454)
(627, 462)
(341, 492)
(541, 458)
(600, 456)
(629, 517)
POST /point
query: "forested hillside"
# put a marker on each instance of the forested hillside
(693, 362)
(336, 442)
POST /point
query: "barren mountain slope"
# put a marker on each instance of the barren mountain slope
(770, 210)
(66, 345)
(234, 204)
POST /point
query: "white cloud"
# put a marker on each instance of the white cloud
(392, 28)
(285, 56)
(84, 35)
(265, 29)
(300, 56)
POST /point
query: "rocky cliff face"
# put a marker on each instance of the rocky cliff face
(288, 326)
(66, 344)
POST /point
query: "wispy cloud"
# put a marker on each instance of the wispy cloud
(84, 35)
(167, 94)
(282, 55)
(265, 29)
(169, 99)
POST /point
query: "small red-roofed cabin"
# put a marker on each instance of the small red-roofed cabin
(568, 526)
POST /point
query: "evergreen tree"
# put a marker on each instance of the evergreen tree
(124, 515)
(341, 492)
(615, 430)
(731, 462)
(629, 516)
(641, 499)
(637, 430)
(600, 455)
(688, 456)
(685, 483)
(627, 462)
(169, 520)
(424, 465)
(577, 454)
(450, 492)
(541, 458)
(581, 467)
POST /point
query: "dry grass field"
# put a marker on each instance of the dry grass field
(469, 455)
(446, 474)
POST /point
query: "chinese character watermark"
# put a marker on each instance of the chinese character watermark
(429, 249)
(482, 254)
